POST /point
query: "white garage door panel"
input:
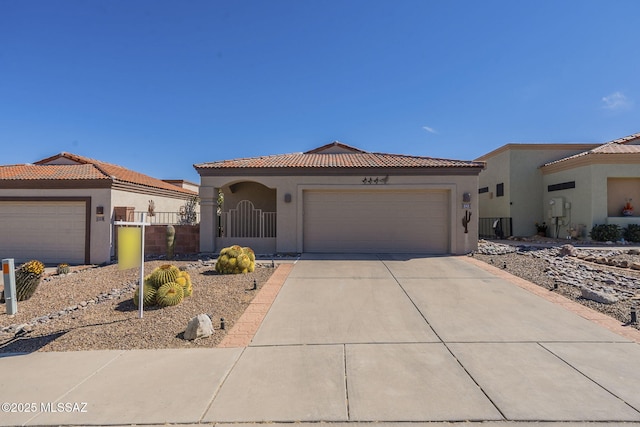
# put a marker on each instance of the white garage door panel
(376, 221)
(52, 232)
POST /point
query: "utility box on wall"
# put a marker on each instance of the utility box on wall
(557, 207)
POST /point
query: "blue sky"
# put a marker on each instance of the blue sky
(157, 86)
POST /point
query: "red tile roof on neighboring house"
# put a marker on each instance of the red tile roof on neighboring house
(67, 166)
(627, 145)
(56, 172)
(355, 159)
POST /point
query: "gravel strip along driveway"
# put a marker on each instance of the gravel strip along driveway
(92, 309)
(554, 269)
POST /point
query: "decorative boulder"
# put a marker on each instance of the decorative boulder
(198, 327)
(597, 296)
(568, 250)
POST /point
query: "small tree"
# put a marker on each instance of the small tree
(188, 213)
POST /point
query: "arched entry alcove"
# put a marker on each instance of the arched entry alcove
(247, 216)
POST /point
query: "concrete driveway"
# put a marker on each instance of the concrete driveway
(365, 338)
(401, 338)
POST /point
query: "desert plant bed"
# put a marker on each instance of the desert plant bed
(92, 308)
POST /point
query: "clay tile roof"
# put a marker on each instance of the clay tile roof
(352, 158)
(67, 166)
(626, 145)
(55, 172)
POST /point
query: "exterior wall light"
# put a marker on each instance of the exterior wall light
(99, 213)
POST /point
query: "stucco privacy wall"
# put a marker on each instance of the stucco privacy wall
(290, 214)
(517, 166)
(589, 197)
(100, 230)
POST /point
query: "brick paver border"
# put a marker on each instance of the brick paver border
(601, 319)
(247, 325)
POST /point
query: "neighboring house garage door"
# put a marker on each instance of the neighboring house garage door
(376, 221)
(50, 231)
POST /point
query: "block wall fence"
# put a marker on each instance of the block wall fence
(187, 239)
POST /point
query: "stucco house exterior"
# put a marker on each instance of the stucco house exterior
(338, 198)
(62, 208)
(570, 187)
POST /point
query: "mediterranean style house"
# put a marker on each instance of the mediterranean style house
(338, 198)
(568, 187)
(62, 208)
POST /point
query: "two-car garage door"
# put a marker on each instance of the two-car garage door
(51, 231)
(376, 221)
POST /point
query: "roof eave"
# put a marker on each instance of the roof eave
(591, 159)
(471, 169)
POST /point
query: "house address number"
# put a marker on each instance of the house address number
(375, 180)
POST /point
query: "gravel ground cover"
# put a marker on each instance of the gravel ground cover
(568, 271)
(92, 309)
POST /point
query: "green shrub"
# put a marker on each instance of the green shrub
(606, 233)
(632, 233)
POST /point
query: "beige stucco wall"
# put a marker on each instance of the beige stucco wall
(140, 201)
(590, 199)
(518, 167)
(497, 171)
(289, 214)
(262, 197)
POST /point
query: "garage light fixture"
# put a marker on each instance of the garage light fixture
(287, 198)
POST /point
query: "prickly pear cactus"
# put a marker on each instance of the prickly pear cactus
(28, 277)
(171, 241)
(169, 294)
(235, 260)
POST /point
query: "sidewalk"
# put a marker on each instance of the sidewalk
(382, 339)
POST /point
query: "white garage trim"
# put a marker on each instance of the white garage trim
(52, 230)
(387, 220)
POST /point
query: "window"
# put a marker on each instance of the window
(483, 190)
(561, 186)
(500, 190)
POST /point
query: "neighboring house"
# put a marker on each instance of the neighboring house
(62, 208)
(570, 187)
(338, 198)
